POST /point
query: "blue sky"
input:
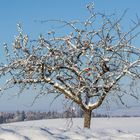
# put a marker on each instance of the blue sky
(29, 11)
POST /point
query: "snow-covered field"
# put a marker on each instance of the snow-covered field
(59, 129)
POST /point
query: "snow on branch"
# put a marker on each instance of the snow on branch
(85, 65)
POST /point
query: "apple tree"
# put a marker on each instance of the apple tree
(85, 65)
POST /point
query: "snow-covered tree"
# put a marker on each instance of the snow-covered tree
(85, 65)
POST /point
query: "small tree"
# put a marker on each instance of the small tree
(85, 65)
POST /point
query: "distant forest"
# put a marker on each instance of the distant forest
(9, 117)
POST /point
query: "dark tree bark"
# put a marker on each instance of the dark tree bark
(87, 118)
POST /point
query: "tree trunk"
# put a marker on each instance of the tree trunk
(87, 118)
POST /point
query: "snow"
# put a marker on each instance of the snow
(59, 129)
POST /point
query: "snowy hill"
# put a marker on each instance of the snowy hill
(59, 129)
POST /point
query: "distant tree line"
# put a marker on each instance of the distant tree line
(9, 117)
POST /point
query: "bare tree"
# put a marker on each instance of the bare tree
(85, 65)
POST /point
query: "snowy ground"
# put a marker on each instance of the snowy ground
(59, 129)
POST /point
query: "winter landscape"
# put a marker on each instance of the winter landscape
(83, 55)
(62, 129)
